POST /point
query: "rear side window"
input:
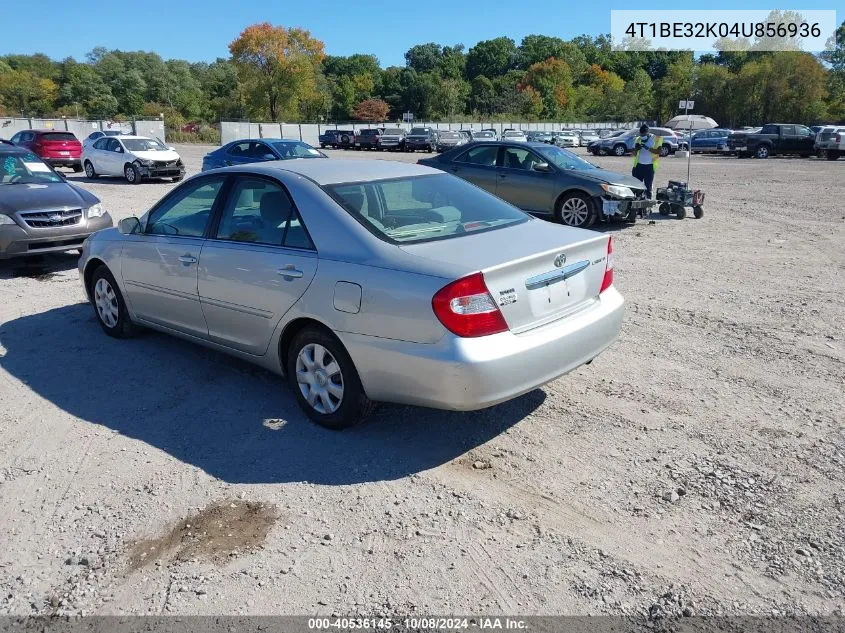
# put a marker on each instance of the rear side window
(769, 129)
(484, 156)
(58, 136)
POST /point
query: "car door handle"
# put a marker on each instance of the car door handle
(290, 272)
(503, 176)
(188, 259)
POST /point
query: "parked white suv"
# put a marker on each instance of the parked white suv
(132, 157)
(830, 141)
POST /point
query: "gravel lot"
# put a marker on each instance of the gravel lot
(696, 467)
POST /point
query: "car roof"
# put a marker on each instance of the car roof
(339, 170)
(9, 148)
(49, 131)
(265, 140)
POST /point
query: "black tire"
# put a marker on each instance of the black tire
(698, 212)
(831, 154)
(742, 154)
(353, 405)
(762, 152)
(77, 168)
(680, 211)
(665, 149)
(130, 172)
(344, 139)
(575, 209)
(322, 146)
(104, 292)
(664, 209)
(619, 150)
(631, 218)
(89, 170)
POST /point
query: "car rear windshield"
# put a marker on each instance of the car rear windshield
(450, 135)
(25, 169)
(393, 132)
(143, 145)
(296, 149)
(59, 136)
(513, 133)
(423, 208)
(419, 130)
(484, 134)
(369, 132)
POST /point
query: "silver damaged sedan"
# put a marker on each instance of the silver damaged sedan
(361, 281)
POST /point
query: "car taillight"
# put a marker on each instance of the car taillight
(607, 282)
(466, 308)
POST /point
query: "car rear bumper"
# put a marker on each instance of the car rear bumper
(16, 241)
(63, 161)
(465, 374)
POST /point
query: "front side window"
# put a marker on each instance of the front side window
(261, 212)
(518, 158)
(423, 208)
(187, 211)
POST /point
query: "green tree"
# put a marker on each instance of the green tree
(482, 94)
(424, 58)
(23, 92)
(492, 58)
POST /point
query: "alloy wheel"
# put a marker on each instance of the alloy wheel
(106, 302)
(319, 378)
(574, 212)
(129, 172)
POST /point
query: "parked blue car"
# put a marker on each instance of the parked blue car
(253, 150)
(623, 143)
(715, 140)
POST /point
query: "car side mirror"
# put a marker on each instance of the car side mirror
(171, 148)
(543, 167)
(269, 157)
(129, 226)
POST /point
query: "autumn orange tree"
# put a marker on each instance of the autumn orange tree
(279, 68)
(371, 110)
(552, 80)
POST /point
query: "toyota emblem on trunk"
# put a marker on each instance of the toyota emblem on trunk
(560, 260)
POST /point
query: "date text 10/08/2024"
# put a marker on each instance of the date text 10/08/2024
(418, 624)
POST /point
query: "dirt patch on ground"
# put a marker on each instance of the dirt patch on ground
(215, 533)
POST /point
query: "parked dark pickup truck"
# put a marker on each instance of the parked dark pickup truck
(773, 139)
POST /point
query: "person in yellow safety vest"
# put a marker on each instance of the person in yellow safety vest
(646, 157)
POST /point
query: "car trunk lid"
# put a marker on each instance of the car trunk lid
(536, 272)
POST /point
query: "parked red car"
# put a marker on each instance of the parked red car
(56, 148)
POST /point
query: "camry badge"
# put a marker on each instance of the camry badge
(560, 260)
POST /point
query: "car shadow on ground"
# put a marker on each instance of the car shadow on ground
(39, 267)
(82, 179)
(235, 421)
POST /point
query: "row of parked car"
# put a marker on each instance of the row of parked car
(761, 142)
(433, 140)
(104, 153)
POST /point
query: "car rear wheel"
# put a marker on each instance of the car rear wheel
(665, 149)
(762, 151)
(77, 168)
(89, 170)
(619, 150)
(324, 379)
(575, 209)
(698, 212)
(130, 172)
(109, 305)
(831, 154)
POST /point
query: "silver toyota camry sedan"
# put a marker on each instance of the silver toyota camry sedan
(361, 281)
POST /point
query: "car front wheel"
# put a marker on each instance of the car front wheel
(575, 209)
(620, 150)
(762, 151)
(324, 379)
(130, 172)
(109, 305)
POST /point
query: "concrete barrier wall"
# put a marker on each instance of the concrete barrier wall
(81, 128)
